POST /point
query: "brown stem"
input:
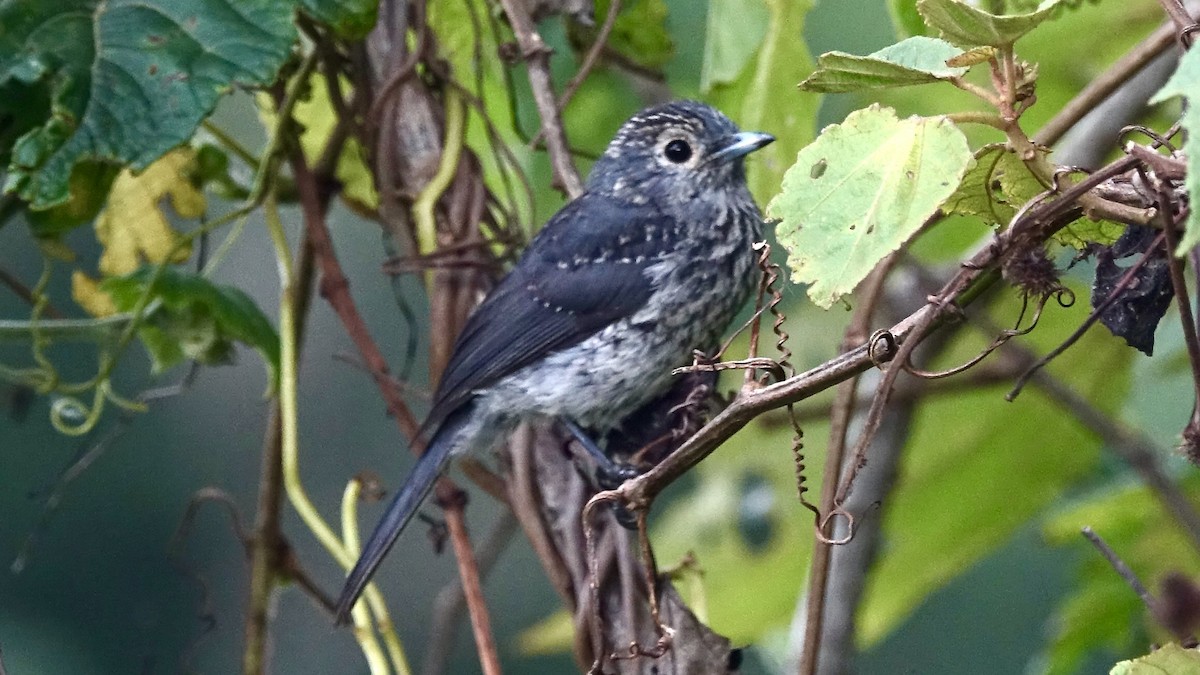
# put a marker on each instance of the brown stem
(25, 293)
(335, 288)
(1120, 567)
(1182, 299)
(1135, 449)
(450, 602)
(589, 62)
(468, 573)
(537, 60)
(840, 415)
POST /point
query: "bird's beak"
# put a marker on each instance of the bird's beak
(740, 145)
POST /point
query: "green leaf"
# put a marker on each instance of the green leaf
(317, 116)
(89, 186)
(735, 31)
(350, 19)
(980, 193)
(906, 20)
(860, 191)
(197, 320)
(129, 79)
(1185, 82)
(1170, 658)
(764, 97)
(917, 60)
(1000, 183)
(968, 26)
(1102, 611)
(977, 469)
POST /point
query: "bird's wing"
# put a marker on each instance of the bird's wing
(556, 296)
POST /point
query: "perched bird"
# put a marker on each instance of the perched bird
(652, 261)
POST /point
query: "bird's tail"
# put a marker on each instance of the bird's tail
(400, 511)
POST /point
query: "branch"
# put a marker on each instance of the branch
(1183, 21)
(450, 601)
(537, 60)
(1120, 567)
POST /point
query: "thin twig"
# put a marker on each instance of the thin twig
(335, 288)
(1114, 295)
(25, 293)
(468, 573)
(585, 68)
(1119, 567)
(450, 602)
(537, 60)
(1134, 448)
(1178, 282)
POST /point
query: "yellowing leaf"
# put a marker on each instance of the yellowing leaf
(87, 294)
(133, 228)
(1170, 659)
(318, 117)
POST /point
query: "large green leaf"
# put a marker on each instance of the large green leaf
(861, 190)
(917, 60)
(129, 79)
(906, 19)
(197, 320)
(639, 34)
(978, 468)
(1167, 659)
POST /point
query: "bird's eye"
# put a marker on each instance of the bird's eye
(678, 151)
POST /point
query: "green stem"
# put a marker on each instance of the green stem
(451, 151)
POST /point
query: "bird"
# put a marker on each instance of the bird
(650, 262)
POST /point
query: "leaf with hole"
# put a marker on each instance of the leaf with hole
(881, 178)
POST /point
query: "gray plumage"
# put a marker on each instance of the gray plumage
(651, 262)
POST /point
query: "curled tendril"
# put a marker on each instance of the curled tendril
(881, 347)
(66, 409)
(122, 402)
(823, 522)
(1065, 297)
(1063, 171)
(1159, 140)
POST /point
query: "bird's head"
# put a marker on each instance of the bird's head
(682, 150)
